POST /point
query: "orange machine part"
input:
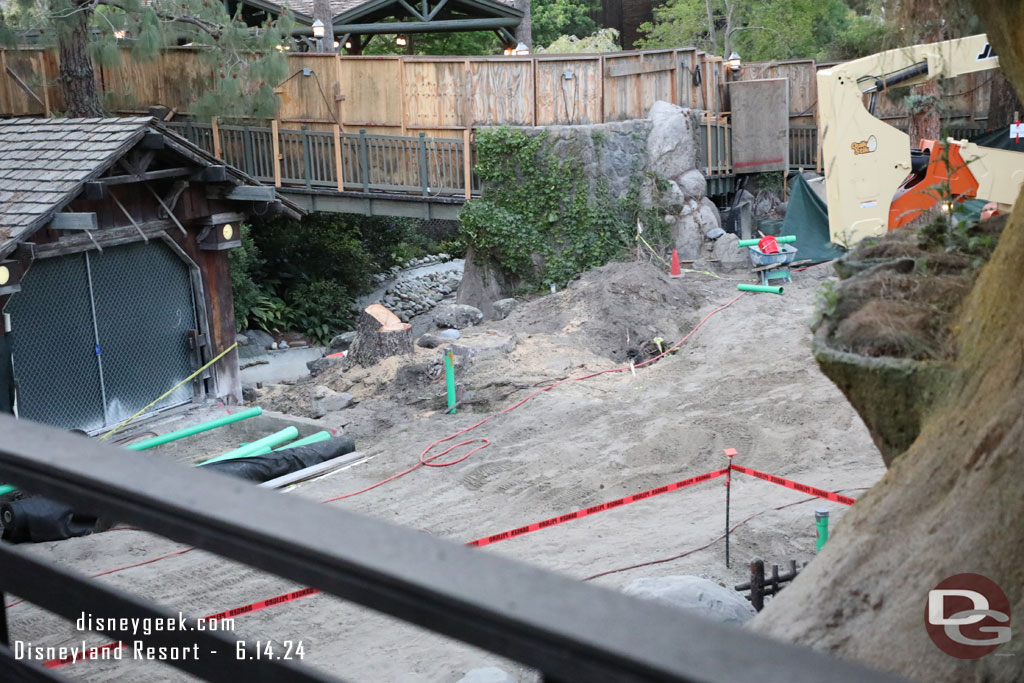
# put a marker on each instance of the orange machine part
(913, 200)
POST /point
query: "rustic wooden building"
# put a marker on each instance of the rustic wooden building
(114, 278)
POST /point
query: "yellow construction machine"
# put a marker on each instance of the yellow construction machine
(871, 184)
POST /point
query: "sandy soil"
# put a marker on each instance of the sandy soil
(745, 380)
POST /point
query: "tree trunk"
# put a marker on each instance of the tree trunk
(524, 32)
(1004, 106)
(379, 335)
(322, 11)
(925, 122)
(77, 78)
(952, 502)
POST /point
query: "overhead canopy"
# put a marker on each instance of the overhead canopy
(369, 17)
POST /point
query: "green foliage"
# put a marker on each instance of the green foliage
(554, 18)
(605, 40)
(538, 207)
(304, 275)
(245, 62)
(758, 29)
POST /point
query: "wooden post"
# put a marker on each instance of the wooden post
(46, 89)
(275, 133)
(757, 583)
(401, 91)
(707, 118)
(467, 162)
(364, 160)
(675, 77)
(307, 154)
(467, 112)
(339, 170)
(6, 80)
(601, 77)
(424, 167)
(728, 148)
(533, 62)
(215, 134)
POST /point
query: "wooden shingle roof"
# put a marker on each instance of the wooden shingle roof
(43, 163)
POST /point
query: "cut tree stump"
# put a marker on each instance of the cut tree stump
(379, 335)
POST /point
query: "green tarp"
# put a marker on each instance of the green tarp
(807, 218)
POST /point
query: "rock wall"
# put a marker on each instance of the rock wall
(659, 152)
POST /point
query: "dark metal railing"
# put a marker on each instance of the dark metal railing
(568, 630)
(366, 163)
(803, 147)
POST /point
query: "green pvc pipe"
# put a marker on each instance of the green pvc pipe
(275, 439)
(449, 378)
(195, 429)
(305, 441)
(771, 289)
(781, 239)
(821, 519)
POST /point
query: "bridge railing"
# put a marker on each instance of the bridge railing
(566, 629)
(331, 159)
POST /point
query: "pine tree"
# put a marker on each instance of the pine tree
(246, 62)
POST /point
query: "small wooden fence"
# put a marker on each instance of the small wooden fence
(341, 161)
(714, 145)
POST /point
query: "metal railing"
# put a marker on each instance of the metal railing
(340, 161)
(803, 147)
(714, 145)
(568, 630)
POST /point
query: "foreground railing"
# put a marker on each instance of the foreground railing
(568, 630)
(331, 159)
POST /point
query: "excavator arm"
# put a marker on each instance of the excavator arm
(866, 160)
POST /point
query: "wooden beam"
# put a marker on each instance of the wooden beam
(339, 169)
(211, 174)
(411, 10)
(74, 221)
(109, 237)
(252, 193)
(24, 86)
(467, 162)
(152, 140)
(148, 175)
(276, 143)
(429, 26)
(94, 190)
(215, 134)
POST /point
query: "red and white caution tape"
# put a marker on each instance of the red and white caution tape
(802, 488)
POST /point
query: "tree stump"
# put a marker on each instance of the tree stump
(379, 335)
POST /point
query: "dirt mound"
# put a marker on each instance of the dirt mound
(613, 310)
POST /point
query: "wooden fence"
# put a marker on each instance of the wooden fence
(401, 95)
(340, 161)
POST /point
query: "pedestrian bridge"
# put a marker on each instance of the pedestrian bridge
(386, 175)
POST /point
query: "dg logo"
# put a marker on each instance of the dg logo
(967, 616)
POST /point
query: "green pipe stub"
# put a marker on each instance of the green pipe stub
(821, 520)
(275, 439)
(195, 429)
(771, 289)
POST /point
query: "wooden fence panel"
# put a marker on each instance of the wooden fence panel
(435, 94)
(307, 95)
(372, 87)
(803, 86)
(502, 92)
(23, 82)
(568, 91)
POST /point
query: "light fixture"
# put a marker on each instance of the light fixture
(120, 34)
(401, 41)
(734, 63)
(219, 232)
(348, 44)
(509, 50)
(10, 277)
(336, 45)
(318, 29)
(522, 49)
(279, 48)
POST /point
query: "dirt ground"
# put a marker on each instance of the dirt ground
(745, 380)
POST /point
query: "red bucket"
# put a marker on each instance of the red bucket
(768, 245)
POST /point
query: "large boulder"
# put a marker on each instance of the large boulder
(259, 338)
(672, 143)
(693, 184)
(483, 283)
(730, 256)
(687, 237)
(710, 219)
(457, 316)
(343, 341)
(503, 307)
(694, 594)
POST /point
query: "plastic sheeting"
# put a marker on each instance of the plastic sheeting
(38, 519)
(278, 463)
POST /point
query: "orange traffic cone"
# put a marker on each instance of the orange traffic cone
(675, 271)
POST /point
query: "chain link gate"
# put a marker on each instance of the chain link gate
(96, 336)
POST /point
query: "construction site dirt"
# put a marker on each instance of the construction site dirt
(746, 379)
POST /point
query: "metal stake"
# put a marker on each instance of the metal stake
(729, 453)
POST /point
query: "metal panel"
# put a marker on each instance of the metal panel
(144, 309)
(55, 355)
